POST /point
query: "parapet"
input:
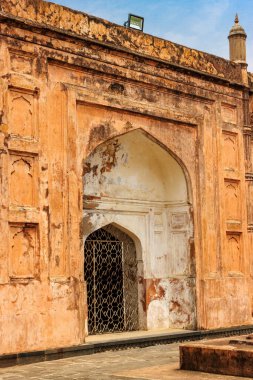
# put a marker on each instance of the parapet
(80, 25)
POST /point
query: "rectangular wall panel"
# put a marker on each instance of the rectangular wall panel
(229, 113)
(58, 192)
(22, 113)
(230, 154)
(233, 254)
(232, 200)
(178, 256)
(21, 62)
(23, 180)
(23, 251)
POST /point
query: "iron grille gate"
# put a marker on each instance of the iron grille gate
(111, 274)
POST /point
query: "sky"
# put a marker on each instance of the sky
(199, 24)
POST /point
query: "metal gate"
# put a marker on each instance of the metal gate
(110, 269)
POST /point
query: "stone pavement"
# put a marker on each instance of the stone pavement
(159, 362)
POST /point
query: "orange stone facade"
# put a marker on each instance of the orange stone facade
(104, 125)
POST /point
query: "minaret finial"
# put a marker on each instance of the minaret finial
(237, 42)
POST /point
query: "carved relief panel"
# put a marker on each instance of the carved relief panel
(159, 236)
(170, 231)
(23, 256)
(230, 153)
(180, 231)
(179, 221)
(250, 205)
(179, 263)
(22, 113)
(251, 149)
(21, 61)
(229, 113)
(23, 180)
(232, 200)
(233, 259)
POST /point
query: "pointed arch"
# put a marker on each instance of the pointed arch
(111, 274)
(149, 136)
(138, 184)
(101, 223)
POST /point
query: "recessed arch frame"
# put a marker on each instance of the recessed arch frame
(189, 199)
(154, 139)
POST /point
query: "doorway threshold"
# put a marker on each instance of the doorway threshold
(123, 340)
(128, 336)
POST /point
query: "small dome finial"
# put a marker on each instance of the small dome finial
(237, 42)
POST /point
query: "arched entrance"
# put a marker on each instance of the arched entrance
(110, 269)
(136, 183)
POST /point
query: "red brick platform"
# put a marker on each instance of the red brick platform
(227, 356)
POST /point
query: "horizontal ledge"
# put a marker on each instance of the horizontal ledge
(125, 79)
(26, 23)
(142, 113)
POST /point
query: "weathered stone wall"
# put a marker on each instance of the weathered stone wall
(63, 94)
(95, 29)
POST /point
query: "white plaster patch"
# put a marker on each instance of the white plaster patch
(134, 167)
(176, 309)
(158, 315)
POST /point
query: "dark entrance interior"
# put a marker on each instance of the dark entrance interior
(110, 269)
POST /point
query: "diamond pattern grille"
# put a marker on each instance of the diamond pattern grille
(111, 274)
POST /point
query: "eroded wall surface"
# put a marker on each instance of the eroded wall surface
(61, 96)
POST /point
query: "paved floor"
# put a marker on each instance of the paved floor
(151, 363)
